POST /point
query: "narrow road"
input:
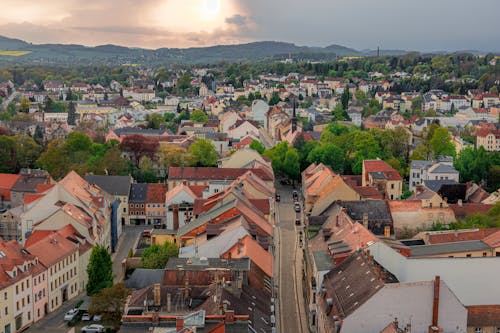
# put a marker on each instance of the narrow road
(127, 241)
(291, 318)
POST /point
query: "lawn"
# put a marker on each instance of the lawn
(13, 53)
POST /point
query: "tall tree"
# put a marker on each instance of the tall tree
(137, 146)
(99, 270)
(55, 159)
(7, 154)
(198, 116)
(110, 303)
(27, 151)
(441, 143)
(24, 105)
(291, 164)
(71, 114)
(257, 146)
(203, 153)
(346, 96)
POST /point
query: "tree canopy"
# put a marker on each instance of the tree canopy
(156, 256)
(99, 270)
(203, 153)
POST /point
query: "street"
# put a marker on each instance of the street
(54, 320)
(289, 268)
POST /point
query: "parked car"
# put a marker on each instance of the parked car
(278, 197)
(97, 317)
(297, 221)
(71, 314)
(295, 195)
(86, 316)
(93, 328)
(297, 207)
(146, 233)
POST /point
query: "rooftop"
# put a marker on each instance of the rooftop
(114, 185)
(445, 248)
(202, 264)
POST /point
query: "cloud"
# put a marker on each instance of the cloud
(237, 19)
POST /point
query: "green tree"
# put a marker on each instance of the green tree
(257, 146)
(360, 96)
(339, 113)
(291, 164)
(275, 99)
(110, 303)
(111, 163)
(203, 153)
(155, 120)
(147, 172)
(24, 105)
(156, 256)
(328, 154)
(71, 114)
(55, 159)
(277, 155)
(99, 270)
(27, 151)
(346, 96)
(441, 143)
(7, 154)
(198, 116)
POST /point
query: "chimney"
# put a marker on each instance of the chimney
(387, 231)
(396, 323)
(435, 306)
(169, 302)
(179, 323)
(157, 294)
(365, 220)
(229, 316)
(175, 211)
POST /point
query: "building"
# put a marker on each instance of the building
(385, 178)
(137, 203)
(361, 296)
(156, 211)
(489, 139)
(61, 258)
(441, 169)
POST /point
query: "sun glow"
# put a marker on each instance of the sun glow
(211, 8)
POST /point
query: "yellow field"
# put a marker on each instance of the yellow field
(130, 65)
(14, 53)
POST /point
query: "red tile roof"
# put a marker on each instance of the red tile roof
(368, 192)
(248, 247)
(198, 189)
(483, 315)
(156, 193)
(52, 248)
(460, 235)
(381, 166)
(30, 197)
(466, 209)
(211, 173)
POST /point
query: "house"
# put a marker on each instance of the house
(21, 280)
(441, 169)
(227, 120)
(258, 111)
(355, 116)
(247, 158)
(156, 211)
(179, 202)
(243, 128)
(217, 179)
(385, 178)
(61, 258)
(489, 139)
(137, 203)
(118, 187)
(7, 182)
(361, 296)
(28, 181)
(483, 318)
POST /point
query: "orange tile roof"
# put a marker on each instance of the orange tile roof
(248, 247)
(7, 181)
(466, 209)
(483, 315)
(156, 193)
(30, 197)
(381, 166)
(13, 254)
(368, 192)
(493, 239)
(40, 188)
(52, 248)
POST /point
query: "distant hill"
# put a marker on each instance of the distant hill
(113, 54)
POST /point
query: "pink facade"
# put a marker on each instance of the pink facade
(40, 294)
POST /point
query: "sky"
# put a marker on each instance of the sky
(420, 25)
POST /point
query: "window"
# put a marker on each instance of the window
(478, 330)
(468, 255)
(6, 310)
(392, 186)
(5, 296)
(484, 255)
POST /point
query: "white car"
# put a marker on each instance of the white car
(70, 315)
(97, 317)
(94, 328)
(86, 316)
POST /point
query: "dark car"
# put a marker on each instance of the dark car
(278, 197)
(295, 195)
(297, 221)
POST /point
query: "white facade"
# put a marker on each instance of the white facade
(259, 110)
(431, 170)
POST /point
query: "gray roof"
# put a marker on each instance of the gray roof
(377, 210)
(202, 219)
(435, 185)
(444, 248)
(138, 192)
(323, 260)
(141, 278)
(137, 130)
(197, 264)
(114, 185)
(420, 164)
(442, 168)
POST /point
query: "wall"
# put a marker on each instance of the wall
(40, 295)
(63, 274)
(23, 294)
(7, 308)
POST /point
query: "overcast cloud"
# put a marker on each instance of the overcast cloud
(423, 25)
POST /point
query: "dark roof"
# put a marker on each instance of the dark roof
(453, 192)
(377, 210)
(138, 192)
(323, 260)
(196, 264)
(29, 182)
(443, 168)
(114, 185)
(211, 173)
(444, 248)
(435, 185)
(142, 278)
(350, 284)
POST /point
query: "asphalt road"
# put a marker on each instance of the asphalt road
(54, 322)
(290, 317)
